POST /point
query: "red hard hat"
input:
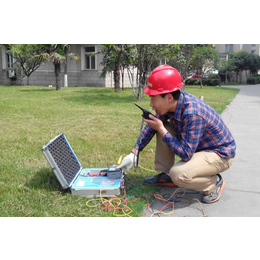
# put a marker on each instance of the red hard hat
(163, 79)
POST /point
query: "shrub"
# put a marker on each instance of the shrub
(213, 76)
(211, 82)
(255, 79)
(192, 81)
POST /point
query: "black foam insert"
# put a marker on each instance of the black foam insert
(64, 158)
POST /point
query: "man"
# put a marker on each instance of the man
(188, 127)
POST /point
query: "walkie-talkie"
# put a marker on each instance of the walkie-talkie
(146, 113)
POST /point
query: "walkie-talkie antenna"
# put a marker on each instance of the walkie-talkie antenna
(146, 113)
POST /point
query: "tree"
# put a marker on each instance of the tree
(225, 70)
(146, 58)
(186, 57)
(180, 58)
(137, 59)
(57, 53)
(204, 59)
(239, 61)
(26, 56)
(254, 63)
(112, 61)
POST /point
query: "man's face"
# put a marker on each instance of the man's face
(159, 104)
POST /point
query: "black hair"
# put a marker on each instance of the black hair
(175, 94)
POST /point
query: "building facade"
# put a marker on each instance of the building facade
(87, 71)
(225, 49)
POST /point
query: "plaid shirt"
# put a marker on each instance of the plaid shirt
(198, 127)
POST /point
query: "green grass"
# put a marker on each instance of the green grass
(99, 124)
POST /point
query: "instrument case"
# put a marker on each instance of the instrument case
(70, 174)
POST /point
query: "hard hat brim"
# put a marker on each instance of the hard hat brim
(153, 92)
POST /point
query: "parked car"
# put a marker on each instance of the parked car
(193, 76)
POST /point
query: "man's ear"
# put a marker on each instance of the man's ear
(169, 97)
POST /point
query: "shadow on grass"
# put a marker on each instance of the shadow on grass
(89, 95)
(45, 179)
(135, 186)
(38, 90)
(100, 99)
(177, 199)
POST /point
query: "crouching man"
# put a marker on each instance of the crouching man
(188, 127)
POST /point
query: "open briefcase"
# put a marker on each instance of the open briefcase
(71, 175)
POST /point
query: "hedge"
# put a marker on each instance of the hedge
(255, 79)
(205, 82)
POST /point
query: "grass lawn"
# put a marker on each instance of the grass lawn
(99, 124)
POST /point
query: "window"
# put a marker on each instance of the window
(229, 48)
(8, 62)
(253, 48)
(90, 59)
(7, 59)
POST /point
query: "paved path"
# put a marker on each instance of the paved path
(241, 195)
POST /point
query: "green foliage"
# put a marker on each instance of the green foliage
(211, 82)
(239, 60)
(204, 58)
(115, 56)
(57, 53)
(183, 58)
(255, 79)
(145, 57)
(213, 76)
(254, 63)
(142, 57)
(192, 82)
(30, 56)
(27, 57)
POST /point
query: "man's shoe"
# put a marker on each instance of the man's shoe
(160, 179)
(214, 196)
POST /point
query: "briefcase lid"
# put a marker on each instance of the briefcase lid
(62, 160)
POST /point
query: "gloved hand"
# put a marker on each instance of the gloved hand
(127, 162)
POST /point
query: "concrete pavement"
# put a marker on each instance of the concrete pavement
(241, 195)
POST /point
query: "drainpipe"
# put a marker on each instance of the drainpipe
(65, 73)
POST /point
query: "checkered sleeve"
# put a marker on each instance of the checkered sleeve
(192, 132)
(144, 138)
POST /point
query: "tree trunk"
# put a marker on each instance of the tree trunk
(226, 78)
(28, 79)
(123, 78)
(201, 85)
(57, 67)
(117, 80)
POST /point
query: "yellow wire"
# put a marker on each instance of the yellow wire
(179, 196)
(121, 158)
(161, 212)
(126, 211)
(147, 169)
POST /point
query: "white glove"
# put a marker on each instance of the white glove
(127, 162)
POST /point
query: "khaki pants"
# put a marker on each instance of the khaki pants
(199, 173)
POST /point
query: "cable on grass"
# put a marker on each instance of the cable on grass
(169, 203)
(119, 205)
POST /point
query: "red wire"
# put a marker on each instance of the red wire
(120, 207)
